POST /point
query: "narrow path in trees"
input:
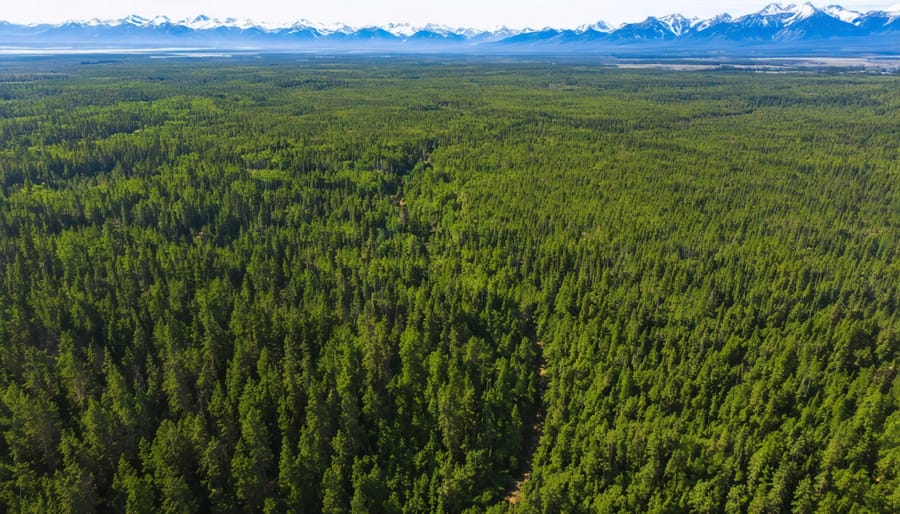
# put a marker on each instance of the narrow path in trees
(514, 495)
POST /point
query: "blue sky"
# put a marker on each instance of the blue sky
(471, 13)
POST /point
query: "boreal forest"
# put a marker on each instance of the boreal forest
(411, 285)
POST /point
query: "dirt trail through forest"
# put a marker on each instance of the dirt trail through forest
(534, 436)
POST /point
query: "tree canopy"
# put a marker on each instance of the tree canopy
(347, 285)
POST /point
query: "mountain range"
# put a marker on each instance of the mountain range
(789, 28)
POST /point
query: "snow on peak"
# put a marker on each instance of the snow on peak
(159, 21)
(774, 9)
(134, 19)
(598, 26)
(400, 29)
(705, 24)
(328, 28)
(777, 14)
(773, 16)
(443, 29)
(677, 23)
(204, 22)
(200, 22)
(804, 11)
(406, 30)
(243, 24)
(845, 15)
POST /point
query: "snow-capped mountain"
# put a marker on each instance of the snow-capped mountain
(651, 28)
(597, 26)
(845, 15)
(678, 24)
(773, 23)
(723, 18)
(667, 27)
(761, 25)
(879, 21)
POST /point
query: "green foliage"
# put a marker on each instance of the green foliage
(356, 286)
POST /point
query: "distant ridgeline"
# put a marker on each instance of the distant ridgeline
(775, 29)
(296, 284)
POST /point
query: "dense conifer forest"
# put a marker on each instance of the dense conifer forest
(338, 285)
